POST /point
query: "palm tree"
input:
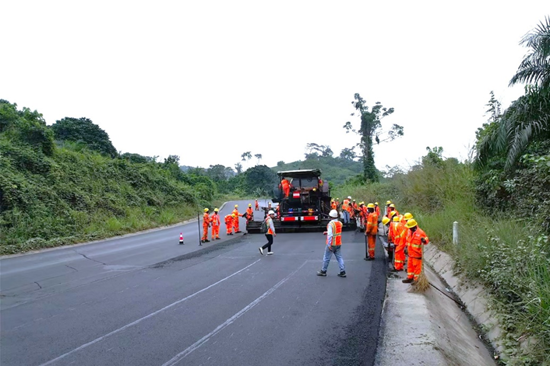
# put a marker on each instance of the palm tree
(528, 118)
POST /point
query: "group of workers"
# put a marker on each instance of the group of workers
(404, 235)
(231, 222)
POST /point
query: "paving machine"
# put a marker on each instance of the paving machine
(303, 203)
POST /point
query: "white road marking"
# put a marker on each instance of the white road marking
(145, 317)
(228, 322)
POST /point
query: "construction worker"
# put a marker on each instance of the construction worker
(229, 223)
(205, 225)
(337, 203)
(392, 211)
(362, 215)
(215, 220)
(270, 233)
(333, 204)
(236, 221)
(416, 238)
(371, 231)
(285, 186)
(346, 210)
(333, 245)
(249, 213)
(392, 233)
(257, 206)
(377, 210)
(388, 203)
(400, 240)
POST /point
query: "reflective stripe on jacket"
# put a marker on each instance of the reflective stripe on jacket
(334, 233)
(414, 242)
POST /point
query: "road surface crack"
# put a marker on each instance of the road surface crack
(85, 256)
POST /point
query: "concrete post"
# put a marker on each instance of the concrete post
(455, 232)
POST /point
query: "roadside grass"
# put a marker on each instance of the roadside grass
(510, 257)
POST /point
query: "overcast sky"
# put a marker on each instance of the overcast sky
(209, 80)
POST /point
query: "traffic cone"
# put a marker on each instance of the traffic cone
(181, 238)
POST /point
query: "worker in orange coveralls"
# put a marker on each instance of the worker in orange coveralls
(388, 203)
(229, 223)
(377, 210)
(236, 220)
(416, 238)
(249, 213)
(215, 220)
(333, 205)
(392, 237)
(205, 225)
(400, 240)
(285, 186)
(371, 231)
(257, 207)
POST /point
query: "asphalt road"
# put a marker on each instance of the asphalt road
(145, 300)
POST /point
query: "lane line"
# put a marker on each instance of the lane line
(145, 317)
(177, 358)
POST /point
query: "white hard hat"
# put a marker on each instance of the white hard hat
(333, 213)
(271, 212)
(349, 197)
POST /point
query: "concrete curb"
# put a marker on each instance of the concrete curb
(472, 295)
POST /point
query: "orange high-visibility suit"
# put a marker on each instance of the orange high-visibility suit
(285, 185)
(415, 241)
(257, 207)
(371, 231)
(215, 226)
(249, 214)
(205, 224)
(228, 224)
(236, 220)
(364, 214)
(400, 240)
(377, 210)
(333, 205)
(393, 231)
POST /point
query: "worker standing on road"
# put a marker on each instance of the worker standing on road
(333, 204)
(333, 245)
(229, 223)
(215, 220)
(362, 215)
(392, 237)
(377, 210)
(205, 225)
(400, 242)
(270, 233)
(257, 206)
(388, 203)
(371, 231)
(249, 213)
(345, 210)
(416, 238)
(392, 211)
(236, 221)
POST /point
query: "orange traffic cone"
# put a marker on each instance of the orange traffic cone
(181, 238)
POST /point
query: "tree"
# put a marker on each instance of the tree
(216, 172)
(314, 151)
(246, 156)
(85, 131)
(239, 168)
(260, 179)
(371, 128)
(259, 157)
(527, 119)
(348, 154)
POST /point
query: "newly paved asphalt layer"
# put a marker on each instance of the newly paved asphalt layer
(145, 300)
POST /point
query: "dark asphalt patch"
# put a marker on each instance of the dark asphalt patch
(202, 251)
